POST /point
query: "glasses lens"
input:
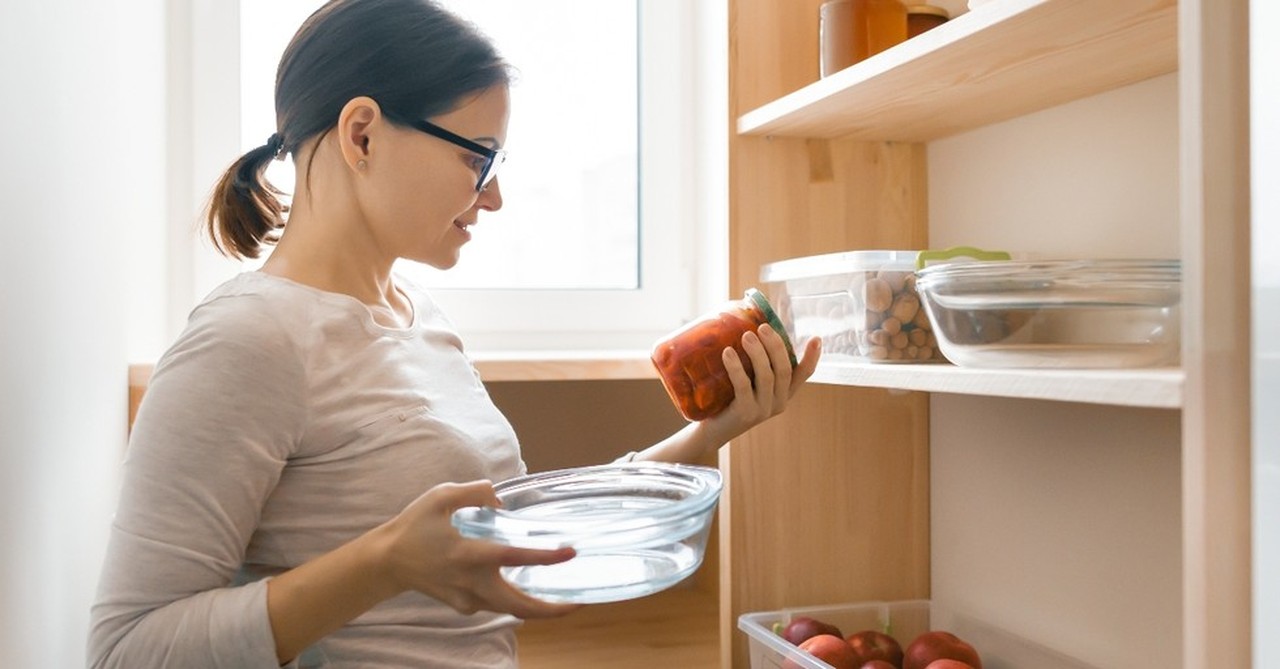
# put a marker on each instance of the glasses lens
(491, 170)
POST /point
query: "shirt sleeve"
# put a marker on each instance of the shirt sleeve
(221, 415)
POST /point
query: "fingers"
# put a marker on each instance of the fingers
(737, 373)
(780, 363)
(808, 364)
(512, 557)
(526, 607)
(505, 597)
(449, 497)
(763, 371)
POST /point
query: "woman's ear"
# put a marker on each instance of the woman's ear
(358, 123)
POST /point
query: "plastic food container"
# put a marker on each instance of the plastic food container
(863, 304)
(1057, 313)
(639, 528)
(903, 620)
(689, 363)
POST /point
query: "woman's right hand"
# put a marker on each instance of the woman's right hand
(420, 550)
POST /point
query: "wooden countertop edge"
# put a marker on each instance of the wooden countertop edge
(521, 366)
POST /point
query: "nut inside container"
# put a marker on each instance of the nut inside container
(863, 304)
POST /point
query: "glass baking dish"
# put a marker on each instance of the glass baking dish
(638, 528)
(1055, 313)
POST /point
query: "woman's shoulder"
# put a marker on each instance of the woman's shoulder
(252, 291)
(251, 305)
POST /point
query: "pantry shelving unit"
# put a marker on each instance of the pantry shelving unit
(1006, 59)
(830, 503)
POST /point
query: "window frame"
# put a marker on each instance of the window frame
(682, 203)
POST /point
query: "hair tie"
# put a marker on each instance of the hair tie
(275, 144)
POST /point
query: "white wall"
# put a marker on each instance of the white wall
(1058, 521)
(82, 127)
(1265, 92)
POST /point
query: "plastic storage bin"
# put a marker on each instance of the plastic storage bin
(863, 304)
(902, 620)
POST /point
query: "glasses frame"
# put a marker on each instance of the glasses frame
(493, 157)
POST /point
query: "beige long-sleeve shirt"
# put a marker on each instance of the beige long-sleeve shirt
(283, 423)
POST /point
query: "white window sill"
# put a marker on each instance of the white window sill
(581, 365)
(578, 365)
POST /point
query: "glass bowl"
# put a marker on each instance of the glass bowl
(1055, 313)
(638, 528)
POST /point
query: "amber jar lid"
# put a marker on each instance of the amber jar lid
(928, 9)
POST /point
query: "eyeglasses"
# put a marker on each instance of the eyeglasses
(493, 158)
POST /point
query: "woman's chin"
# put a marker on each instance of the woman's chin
(441, 263)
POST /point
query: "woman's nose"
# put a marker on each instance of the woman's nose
(490, 198)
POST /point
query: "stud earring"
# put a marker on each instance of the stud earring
(361, 164)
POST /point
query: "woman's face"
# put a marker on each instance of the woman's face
(420, 194)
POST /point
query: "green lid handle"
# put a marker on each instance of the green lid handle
(771, 316)
(924, 257)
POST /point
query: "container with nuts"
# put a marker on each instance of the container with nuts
(863, 304)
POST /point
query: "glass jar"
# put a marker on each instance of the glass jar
(854, 30)
(922, 18)
(689, 363)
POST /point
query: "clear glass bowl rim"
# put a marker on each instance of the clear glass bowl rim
(1076, 272)
(704, 484)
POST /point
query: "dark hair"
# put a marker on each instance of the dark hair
(412, 56)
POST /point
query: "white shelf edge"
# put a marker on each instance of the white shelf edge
(954, 31)
(871, 82)
(1159, 388)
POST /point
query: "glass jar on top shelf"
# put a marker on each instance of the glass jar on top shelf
(923, 18)
(854, 30)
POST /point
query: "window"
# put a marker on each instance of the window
(613, 184)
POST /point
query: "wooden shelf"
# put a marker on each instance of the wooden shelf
(1002, 60)
(1159, 388)
(674, 628)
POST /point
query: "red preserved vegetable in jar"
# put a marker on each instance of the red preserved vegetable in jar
(689, 363)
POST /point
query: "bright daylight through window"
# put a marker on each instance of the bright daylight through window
(570, 218)
(592, 246)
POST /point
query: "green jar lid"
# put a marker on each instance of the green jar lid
(771, 316)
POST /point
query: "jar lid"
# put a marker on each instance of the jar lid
(771, 316)
(928, 9)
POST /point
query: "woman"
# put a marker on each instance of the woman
(302, 445)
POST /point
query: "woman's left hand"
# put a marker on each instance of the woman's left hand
(775, 381)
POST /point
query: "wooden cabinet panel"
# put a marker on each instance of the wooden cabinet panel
(826, 504)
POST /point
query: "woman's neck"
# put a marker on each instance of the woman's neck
(326, 255)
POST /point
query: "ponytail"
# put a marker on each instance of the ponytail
(412, 56)
(245, 212)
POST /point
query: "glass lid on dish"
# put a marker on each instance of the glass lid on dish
(1080, 271)
(1047, 282)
